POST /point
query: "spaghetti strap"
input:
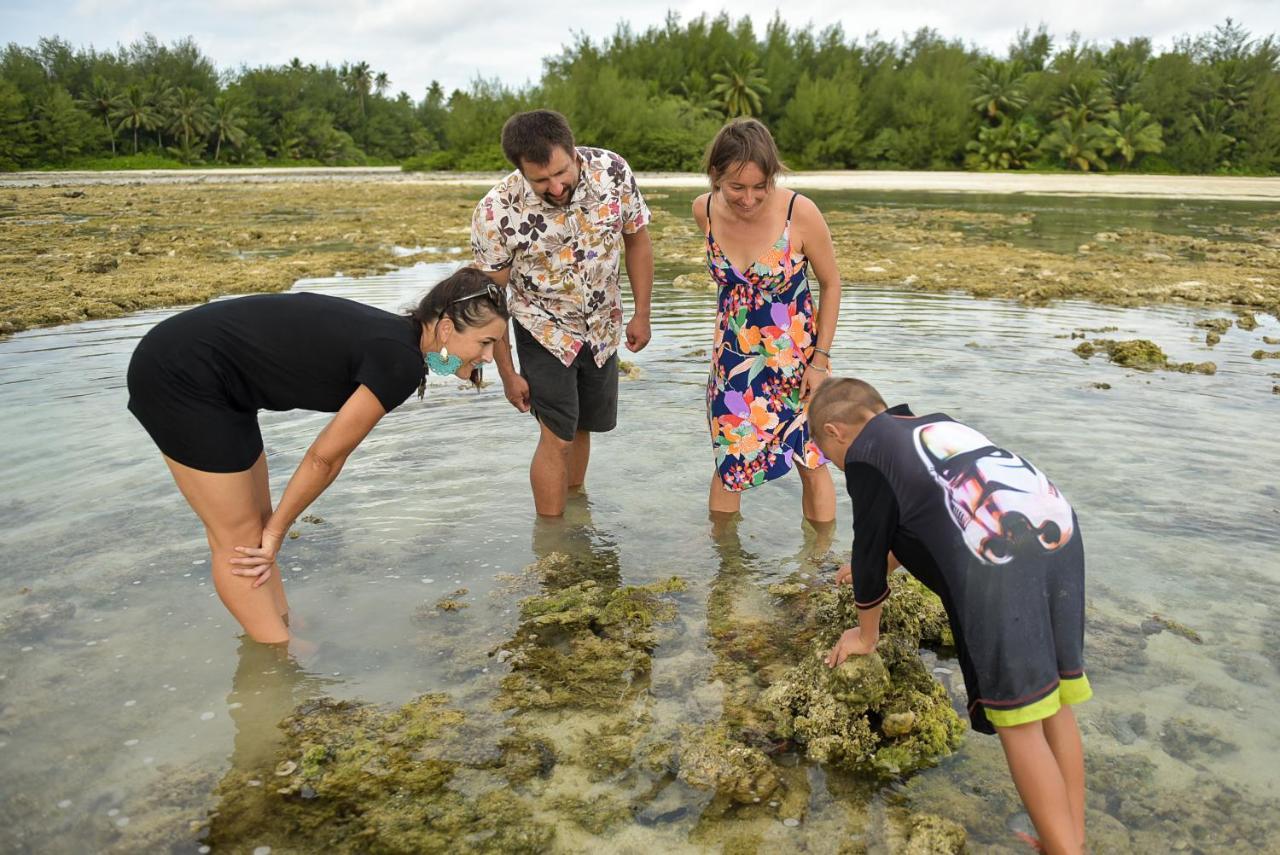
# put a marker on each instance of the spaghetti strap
(708, 212)
(791, 205)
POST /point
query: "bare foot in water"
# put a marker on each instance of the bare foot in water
(1029, 840)
(302, 651)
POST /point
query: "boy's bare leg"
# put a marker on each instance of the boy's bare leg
(1041, 786)
(1063, 736)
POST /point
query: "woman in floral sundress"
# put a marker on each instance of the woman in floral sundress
(772, 350)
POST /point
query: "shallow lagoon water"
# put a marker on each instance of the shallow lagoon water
(125, 695)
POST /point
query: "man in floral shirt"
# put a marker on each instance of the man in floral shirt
(554, 230)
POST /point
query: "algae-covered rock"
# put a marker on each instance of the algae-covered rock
(708, 759)
(882, 713)
(1246, 320)
(925, 834)
(584, 646)
(1263, 354)
(1186, 738)
(361, 779)
(1159, 623)
(629, 370)
(1217, 325)
(1140, 354)
(700, 281)
(596, 814)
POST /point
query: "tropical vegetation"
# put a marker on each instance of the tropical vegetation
(1204, 104)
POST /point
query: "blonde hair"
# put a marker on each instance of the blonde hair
(741, 141)
(844, 400)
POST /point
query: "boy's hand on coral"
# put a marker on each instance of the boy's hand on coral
(844, 576)
(851, 643)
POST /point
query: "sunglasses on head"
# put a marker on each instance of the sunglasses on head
(491, 290)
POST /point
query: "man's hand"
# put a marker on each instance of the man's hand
(638, 333)
(516, 388)
(851, 643)
(844, 575)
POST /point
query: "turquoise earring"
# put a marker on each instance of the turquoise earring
(442, 362)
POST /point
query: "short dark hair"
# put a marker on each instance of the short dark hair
(742, 141)
(845, 400)
(531, 136)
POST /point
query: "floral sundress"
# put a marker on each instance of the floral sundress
(765, 330)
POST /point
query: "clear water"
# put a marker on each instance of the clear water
(121, 675)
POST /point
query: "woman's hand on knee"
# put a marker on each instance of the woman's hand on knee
(257, 560)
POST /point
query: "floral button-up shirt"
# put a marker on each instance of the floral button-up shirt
(564, 261)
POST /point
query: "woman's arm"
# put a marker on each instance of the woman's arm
(817, 247)
(319, 466)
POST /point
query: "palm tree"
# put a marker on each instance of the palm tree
(696, 102)
(226, 124)
(360, 78)
(189, 115)
(381, 83)
(739, 88)
(135, 112)
(1076, 140)
(999, 90)
(102, 102)
(1089, 97)
(1122, 80)
(1131, 132)
(160, 93)
(1008, 145)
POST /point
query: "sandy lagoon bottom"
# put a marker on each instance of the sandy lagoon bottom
(131, 716)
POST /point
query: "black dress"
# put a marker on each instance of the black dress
(198, 378)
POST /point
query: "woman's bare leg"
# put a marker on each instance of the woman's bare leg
(722, 500)
(227, 504)
(262, 497)
(819, 494)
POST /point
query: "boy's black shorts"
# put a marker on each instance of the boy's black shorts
(567, 399)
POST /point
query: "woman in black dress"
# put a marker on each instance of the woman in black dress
(198, 379)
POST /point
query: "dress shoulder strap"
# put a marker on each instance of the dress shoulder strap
(708, 212)
(792, 204)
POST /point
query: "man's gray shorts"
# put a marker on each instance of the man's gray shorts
(571, 398)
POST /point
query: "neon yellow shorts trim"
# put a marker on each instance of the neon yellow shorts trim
(1075, 690)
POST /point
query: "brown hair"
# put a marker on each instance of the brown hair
(741, 141)
(844, 400)
(469, 298)
(531, 137)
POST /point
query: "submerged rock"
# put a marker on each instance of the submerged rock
(709, 759)
(1158, 623)
(1141, 355)
(363, 779)
(1186, 738)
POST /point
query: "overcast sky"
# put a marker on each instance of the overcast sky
(417, 41)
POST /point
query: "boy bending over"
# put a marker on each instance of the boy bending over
(1001, 546)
